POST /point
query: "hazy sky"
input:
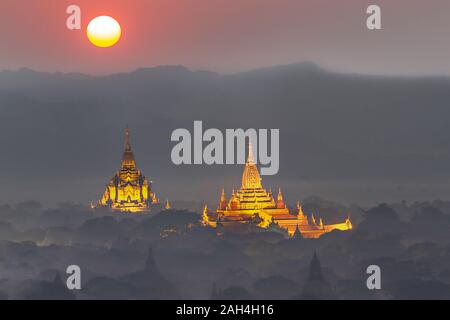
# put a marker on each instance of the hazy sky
(230, 35)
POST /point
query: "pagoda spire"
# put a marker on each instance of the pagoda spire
(321, 223)
(280, 201)
(315, 269)
(301, 216)
(348, 222)
(127, 139)
(313, 219)
(300, 213)
(128, 156)
(251, 178)
(205, 219)
(223, 201)
(250, 158)
(280, 195)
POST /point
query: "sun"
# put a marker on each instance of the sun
(103, 31)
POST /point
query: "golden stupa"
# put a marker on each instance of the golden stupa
(128, 190)
(253, 203)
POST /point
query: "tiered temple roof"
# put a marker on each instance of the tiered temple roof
(128, 190)
(252, 203)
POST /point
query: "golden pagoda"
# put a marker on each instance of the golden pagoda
(128, 190)
(252, 203)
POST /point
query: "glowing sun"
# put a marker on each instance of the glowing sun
(103, 31)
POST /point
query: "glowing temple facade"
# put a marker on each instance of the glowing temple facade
(254, 204)
(128, 190)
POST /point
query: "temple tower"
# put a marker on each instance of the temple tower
(128, 190)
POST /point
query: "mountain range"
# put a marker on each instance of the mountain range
(348, 137)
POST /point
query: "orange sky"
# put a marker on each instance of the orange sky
(229, 35)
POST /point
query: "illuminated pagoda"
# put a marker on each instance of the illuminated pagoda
(167, 206)
(252, 203)
(128, 190)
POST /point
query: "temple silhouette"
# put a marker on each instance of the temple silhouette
(253, 204)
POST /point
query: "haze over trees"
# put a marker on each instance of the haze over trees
(168, 255)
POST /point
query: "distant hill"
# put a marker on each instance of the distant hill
(62, 133)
